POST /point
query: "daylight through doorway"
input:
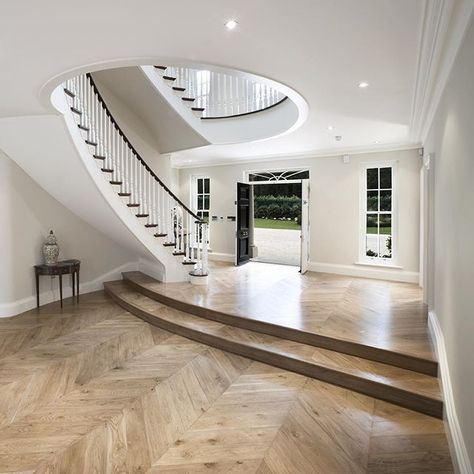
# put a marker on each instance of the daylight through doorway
(277, 222)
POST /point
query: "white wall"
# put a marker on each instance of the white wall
(27, 213)
(334, 209)
(451, 257)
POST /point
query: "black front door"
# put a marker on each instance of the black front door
(243, 221)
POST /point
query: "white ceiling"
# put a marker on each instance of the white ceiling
(320, 48)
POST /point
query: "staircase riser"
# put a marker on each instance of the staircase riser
(384, 392)
(60, 377)
(346, 347)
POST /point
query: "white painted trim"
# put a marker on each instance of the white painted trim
(379, 265)
(328, 153)
(443, 33)
(223, 257)
(379, 273)
(19, 306)
(363, 167)
(458, 447)
(364, 271)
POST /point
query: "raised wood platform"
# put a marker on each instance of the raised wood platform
(403, 387)
(126, 396)
(378, 320)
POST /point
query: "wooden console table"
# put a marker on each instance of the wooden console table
(61, 268)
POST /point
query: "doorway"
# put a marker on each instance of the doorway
(278, 230)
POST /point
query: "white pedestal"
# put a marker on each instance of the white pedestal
(199, 279)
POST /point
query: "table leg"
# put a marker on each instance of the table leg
(73, 279)
(37, 290)
(77, 285)
(61, 289)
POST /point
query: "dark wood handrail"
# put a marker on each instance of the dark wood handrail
(134, 151)
(219, 117)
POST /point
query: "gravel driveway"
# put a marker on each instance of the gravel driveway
(277, 246)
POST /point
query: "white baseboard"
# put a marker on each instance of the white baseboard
(19, 306)
(365, 272)
(223, 257)
(458, 447)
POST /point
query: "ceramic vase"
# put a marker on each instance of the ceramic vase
(51, 249)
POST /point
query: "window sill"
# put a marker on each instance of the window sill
(379, 265)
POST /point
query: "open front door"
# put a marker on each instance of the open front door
(243, 222)
(304, 225)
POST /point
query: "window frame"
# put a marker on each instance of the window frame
(363, 258)
(195, 196)
(194, 201)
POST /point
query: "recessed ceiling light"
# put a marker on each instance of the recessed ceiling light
(376, 142)
(330, 127)
(231, 24)
(363, 85)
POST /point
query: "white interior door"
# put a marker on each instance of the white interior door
(304, 225)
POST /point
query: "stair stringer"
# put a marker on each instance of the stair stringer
(54, 154)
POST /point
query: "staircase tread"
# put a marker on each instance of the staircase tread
(421, 384)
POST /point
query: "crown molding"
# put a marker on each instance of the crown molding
(443, 28)
(218, 161)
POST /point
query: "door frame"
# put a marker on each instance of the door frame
(283, 181)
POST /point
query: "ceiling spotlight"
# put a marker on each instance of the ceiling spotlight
(330, 127)
(231, 24)
(363, 85)
(376, 142)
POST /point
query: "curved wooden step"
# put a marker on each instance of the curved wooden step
(46, 372)
(399, 386)
(157, 291)
(126, 418)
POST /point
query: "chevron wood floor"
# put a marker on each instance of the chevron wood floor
(375, 313)
(91, 388)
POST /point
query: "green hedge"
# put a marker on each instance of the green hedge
(277, 207)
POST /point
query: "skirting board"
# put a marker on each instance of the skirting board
(350, 270)
(456, 440)
(223, 257)
(365, 272)
(25, 304)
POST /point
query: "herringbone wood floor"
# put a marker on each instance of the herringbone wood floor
(93, 389)
(377, 313)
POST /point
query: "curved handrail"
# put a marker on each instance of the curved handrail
(135, 152)
(245, 113)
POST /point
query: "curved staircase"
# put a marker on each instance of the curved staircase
(161, 212)
(402, 380)
(218, 95)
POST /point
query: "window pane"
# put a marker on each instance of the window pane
(385, 178)
(372, 224)
(371, 249)
(200, 202)
(386, 246)
(385, 224)
(373, 178)
(200, 185)
(206, 185)
(206, 201)
(372, 200)
(205, 216)
(385, 200)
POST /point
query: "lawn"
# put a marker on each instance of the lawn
(276, 224)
